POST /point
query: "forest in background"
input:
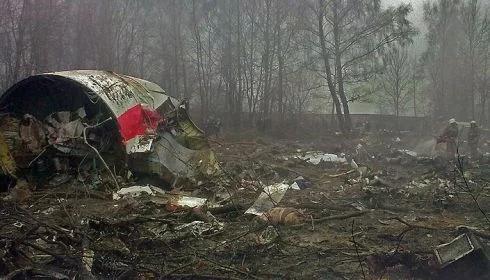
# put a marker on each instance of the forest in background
(249, 60)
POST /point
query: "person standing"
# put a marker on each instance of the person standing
(450, 137)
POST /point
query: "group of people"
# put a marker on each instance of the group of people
(450, 137)
(212, 126)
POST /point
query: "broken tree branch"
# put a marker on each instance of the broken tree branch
(51, 274)
(334, 217)
(342, 174)
(413, 226)
(467, 229)
(341, 217)
(96, 151)
(357, 250)
(460, 168)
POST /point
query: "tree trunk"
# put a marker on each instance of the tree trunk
(328, 72)
(239, 95)
(338, 66)
(199, 68)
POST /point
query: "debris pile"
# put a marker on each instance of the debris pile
(103, 133)
(60, 147)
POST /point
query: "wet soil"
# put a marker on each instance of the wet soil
(353, 227)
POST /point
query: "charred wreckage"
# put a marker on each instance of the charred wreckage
(81, 124)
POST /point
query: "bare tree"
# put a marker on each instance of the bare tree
(15, 20)
(475, 36)
(350, 33)
(456, 55)
(396, 79)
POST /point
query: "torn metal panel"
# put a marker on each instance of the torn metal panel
(465, 257)
(457, 249)
(268, 198)
(175, 157)
(168, 155)
(141, 145)
(119, 92)
(191, 136)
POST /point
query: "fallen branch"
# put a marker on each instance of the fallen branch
(357, 254)
(342, 216)
(96, 151)
(39, 155)
(215, 141)
(357, 250)
(252, 230)
(50, 274)
(413, 226)
(467, 229)
(276, 166)
(334, 217)
(241, 143)
(342, 174)
(179, 268)
(319, 206)
(74, 194)
(460, 168)
(200, 276)
(17, 272)
(398, 244)
(230, 268)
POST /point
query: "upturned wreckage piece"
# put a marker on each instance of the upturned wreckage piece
(106, 111)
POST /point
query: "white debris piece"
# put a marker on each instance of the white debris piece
(140, 144)
(48, 211)
(268, 198)
(70, 130)
(156, 190)
(81, 112)
(354, 165)
(300, 183)
(135, 191)
(408, 152)
(88, 259)
(317, 157)
(362, 170)
(198, 228)
(295, 186)
(190, 201)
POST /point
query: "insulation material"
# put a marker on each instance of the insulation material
(7, 163)
(32, 134)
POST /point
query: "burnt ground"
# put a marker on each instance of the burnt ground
(384, 225)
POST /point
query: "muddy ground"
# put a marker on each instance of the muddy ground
(384, 224)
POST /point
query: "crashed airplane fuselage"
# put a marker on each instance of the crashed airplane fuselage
(152, 129)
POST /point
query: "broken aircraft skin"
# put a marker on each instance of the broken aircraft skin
(154, 129)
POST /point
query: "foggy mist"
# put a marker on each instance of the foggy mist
(244, 139)
(256, 58)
